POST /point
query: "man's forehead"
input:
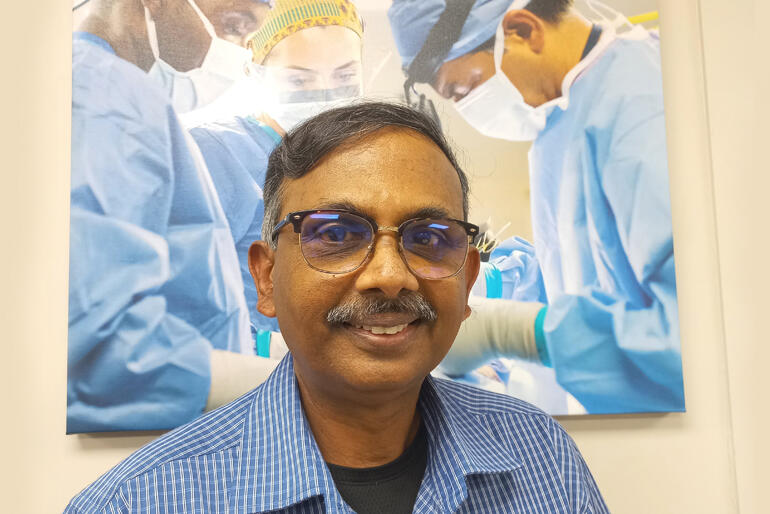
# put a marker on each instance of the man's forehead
(396, 169)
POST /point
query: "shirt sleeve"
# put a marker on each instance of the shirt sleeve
(153, 280)
(620, 351)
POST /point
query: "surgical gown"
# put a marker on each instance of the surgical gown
(154, 284)
(602, 230)
(236, 153)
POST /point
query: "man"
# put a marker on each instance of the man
(367, 264)
(591, 99)
(157, 318)
(307, 59)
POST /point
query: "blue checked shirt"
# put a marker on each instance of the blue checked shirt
(487, 453)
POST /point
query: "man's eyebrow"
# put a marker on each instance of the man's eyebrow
(345, 205)
(423, 212)
(429, 212)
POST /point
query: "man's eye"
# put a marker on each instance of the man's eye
(428, 238)
(232, 29)
(235, 24)
(337, 233)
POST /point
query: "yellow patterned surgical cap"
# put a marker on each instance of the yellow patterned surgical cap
(290, 16)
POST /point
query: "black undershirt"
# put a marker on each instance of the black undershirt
(390, 488)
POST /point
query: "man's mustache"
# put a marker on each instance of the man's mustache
(360, 307)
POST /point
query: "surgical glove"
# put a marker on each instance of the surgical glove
(496, 328)
(278, 346)
(235, 374)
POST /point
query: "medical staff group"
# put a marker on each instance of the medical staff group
(162, 324)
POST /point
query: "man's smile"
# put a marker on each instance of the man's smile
(384, 331)
(395, 329)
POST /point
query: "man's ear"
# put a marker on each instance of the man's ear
(261, 260)
(521, 26)
(472, 266)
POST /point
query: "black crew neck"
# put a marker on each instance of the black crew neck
(391, 488)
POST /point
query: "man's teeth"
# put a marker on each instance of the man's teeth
(384, 330)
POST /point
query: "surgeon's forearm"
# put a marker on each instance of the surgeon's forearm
(495, 328)
(234, 374)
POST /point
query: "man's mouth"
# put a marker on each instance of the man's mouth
(384, 330)
(395, 329)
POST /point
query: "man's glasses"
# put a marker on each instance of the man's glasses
(333, 241)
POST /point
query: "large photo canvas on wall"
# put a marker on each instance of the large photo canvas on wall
(554, 107)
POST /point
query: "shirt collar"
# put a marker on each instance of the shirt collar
(283, 466)
(93, 39)
(461, 442)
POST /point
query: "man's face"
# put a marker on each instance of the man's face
(458, 77)
(182, 38)
(234, 20)
(522, 62)
(315, 58)
(390, 176)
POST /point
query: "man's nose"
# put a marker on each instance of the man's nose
(386, 270)
(453, 90)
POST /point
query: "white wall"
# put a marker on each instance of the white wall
(706, 460)
(736, 43)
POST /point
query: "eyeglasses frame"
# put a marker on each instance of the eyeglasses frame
(297, 217)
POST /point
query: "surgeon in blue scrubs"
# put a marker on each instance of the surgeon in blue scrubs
(306, 58)
(158, 325)
(589, 96)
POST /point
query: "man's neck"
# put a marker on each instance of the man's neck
(123, 27)
(361, 433)
(567, 41)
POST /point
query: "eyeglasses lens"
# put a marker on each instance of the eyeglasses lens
(335, 242)
(340, 242)
(435, 248)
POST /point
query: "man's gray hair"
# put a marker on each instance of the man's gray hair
(304, 147)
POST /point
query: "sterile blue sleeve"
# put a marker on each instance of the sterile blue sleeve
(514, 264)
(236, 153)
(616, 348)
(154, 284)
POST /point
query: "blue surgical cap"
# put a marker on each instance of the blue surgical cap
(411, 21)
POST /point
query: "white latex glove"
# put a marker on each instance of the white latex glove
(496, 328)
(278, 346)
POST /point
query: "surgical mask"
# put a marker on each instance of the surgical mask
(497, 109)
(290, 108)
(222, 66)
